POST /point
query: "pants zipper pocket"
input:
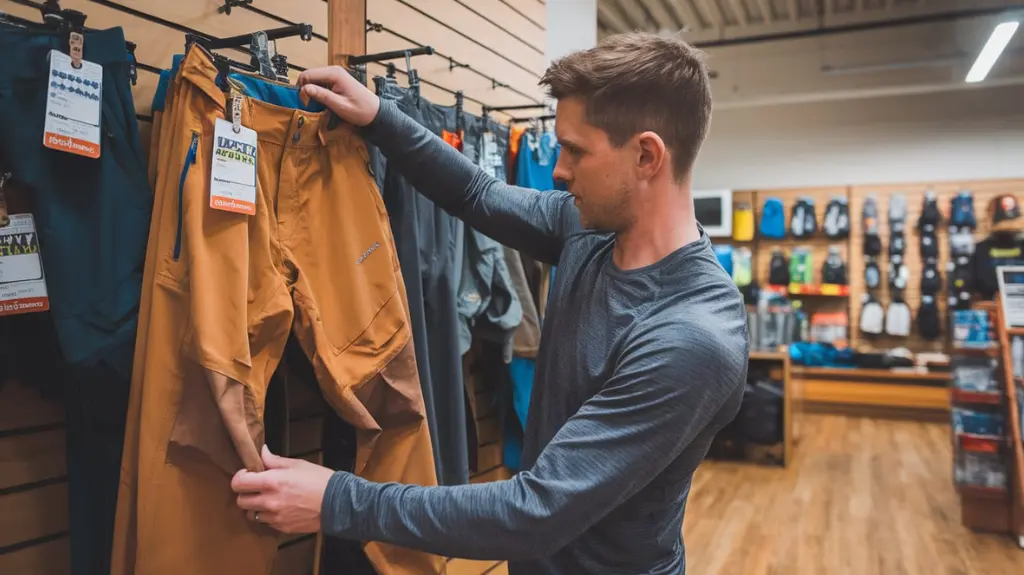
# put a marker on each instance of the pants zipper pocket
(190, 160)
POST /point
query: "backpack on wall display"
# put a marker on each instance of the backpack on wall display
(960, 278)
(869, 221)
(897, 213)
(803, 222)
(724, 255)
(778, 269)
(801, 270)
(931, 280)
(929, 246)
(897, 244)
(773, 219)
(929, 325)
(961, 243)
(897, 319)
(743, 222)
(872, 316)
(833, 271)
(837, 219)
(961, 211)
(930, 215)
(872, 275)
(741, 266)
(899, 275)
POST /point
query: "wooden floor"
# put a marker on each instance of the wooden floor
(863, 497)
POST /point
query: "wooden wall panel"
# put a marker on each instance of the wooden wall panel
(32, 514)
(496, 58)
(50, 558)
(21, 406)
(33, 487)
(515, 23)
(533, 10)
(435, 70)
(493, 37)
(468, 19)
(32, 458)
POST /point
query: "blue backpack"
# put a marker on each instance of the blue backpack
(961, 213)
(724, 254)
(773, 219)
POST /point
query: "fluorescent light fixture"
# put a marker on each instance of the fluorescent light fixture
(990, 53)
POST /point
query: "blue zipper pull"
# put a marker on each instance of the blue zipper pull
(193, 147)
(190, 160)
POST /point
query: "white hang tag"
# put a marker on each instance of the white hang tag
(233, 171)
(22, 285)
(73, 105)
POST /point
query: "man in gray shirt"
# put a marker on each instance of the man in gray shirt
(644, 348)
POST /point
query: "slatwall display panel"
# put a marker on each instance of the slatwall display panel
(818, 244)
(33, 483)
(534, 11)
(504, 64)
(486, 35)
(984, 192)
(158, 42)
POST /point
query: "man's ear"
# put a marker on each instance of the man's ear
(652, 154)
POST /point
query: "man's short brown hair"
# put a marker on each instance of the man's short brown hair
(630, 83)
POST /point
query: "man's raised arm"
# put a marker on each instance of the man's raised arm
(531, 221)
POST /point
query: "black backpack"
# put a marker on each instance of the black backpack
(760, 417)
(928, 324)
(778, 269)
(930, 215)
(931, 280)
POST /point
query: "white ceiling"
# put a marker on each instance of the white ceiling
(766, 52)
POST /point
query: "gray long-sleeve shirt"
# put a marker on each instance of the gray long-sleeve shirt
(637, 371)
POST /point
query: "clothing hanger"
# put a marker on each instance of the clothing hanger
(459, 121)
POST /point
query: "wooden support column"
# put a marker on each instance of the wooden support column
(346, 34)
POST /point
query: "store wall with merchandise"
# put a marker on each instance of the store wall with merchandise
(886, 298)
(367, 330)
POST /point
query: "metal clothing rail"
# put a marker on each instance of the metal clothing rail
(392, 55)
(510, 108)
(168, 24)
(303, 31)
(544, 118)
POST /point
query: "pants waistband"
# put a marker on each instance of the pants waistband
(290, 127)
(24, 51)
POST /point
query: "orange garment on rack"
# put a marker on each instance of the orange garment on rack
(454, 139)
(222, 294)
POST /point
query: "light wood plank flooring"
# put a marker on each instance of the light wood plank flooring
(863, 497)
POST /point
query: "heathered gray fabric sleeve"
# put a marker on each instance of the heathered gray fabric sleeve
(667, 387)
(531, 221)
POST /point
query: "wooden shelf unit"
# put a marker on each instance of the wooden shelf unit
(901, 394)
(781, 358)
(1014, 437)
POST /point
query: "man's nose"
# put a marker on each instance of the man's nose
(561, 172)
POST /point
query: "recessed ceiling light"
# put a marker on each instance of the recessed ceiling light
(990, 52)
